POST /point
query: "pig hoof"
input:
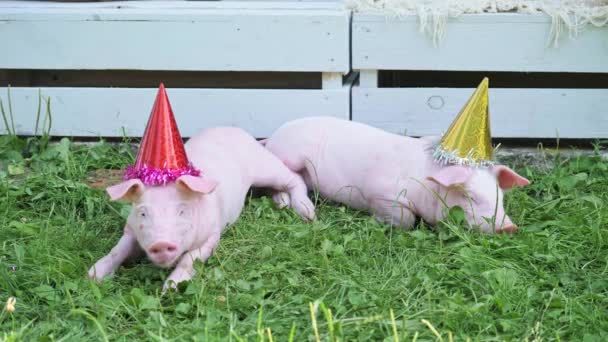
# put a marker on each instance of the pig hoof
(96, 276)
(305, 208)
(281, 199)
(175, 279)
(512, 229)
(169, 285)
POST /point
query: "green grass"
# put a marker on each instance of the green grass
(549, 282)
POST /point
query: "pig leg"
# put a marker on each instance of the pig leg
(126, 248)
(274, 174)
(184, 269)
(281, 199)
(393, 212)
(291, 185)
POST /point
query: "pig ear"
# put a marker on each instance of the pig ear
(508, 178)
(201, 184)
(451, 176)
(129, 190)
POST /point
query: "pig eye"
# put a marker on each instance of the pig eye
(142, 213)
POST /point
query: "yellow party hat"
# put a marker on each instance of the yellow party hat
(468, 141)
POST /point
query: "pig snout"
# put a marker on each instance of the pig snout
(162, 252)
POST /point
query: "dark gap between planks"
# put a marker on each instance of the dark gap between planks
(151, 79)
(468, 79)
(291, 80)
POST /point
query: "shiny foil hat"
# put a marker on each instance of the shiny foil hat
(468, 141)
(161, 158)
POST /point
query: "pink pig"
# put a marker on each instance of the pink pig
(393, 176)
(177, 223)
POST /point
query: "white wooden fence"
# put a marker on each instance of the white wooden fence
(319, 37)
(161, 36)
(486, 43)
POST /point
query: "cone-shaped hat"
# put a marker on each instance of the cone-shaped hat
(468, 140)
(161, 158)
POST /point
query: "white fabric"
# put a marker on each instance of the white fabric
(572, 15)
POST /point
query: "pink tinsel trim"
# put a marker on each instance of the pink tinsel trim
(154, 176)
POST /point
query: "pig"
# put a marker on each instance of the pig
(393, 176)
(180, 222)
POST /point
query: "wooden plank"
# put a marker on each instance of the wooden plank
(515, 113)
(331, 80)
(186, 4)
(368, 78)
(476, 42)
(107, 111)
(175, 39)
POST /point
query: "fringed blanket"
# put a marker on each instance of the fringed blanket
(572, 15)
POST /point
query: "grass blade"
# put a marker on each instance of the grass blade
(432, 328)
(48, 112)
(6, 125)
(314, 322)
(38, 112)
(394, 326)
(259, 326)
(92, 319)
(10, 109)
(292, 332)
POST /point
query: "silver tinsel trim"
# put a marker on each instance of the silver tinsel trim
(445, 157)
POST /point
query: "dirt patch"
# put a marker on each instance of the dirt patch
(102, 178)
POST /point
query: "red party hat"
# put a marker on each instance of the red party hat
(161, 158)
